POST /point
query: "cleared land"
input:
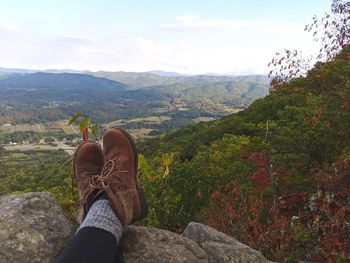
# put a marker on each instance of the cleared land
(149, 120)
(39, 147)
(200, 119)
(29, 147)
(41, 127)
(61, 125)
(137, 133)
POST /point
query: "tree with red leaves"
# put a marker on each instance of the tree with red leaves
(300, 226)
(332, 31)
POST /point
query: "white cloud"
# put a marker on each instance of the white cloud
(246, 52)
(195, 22)
(188, 22)
(138, 53)
(8, 25)
(79, 38)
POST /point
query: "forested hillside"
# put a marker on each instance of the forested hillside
(41, 97)
(275, 175)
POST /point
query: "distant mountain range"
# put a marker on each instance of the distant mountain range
(166, 73)
(144, 79)
(27, 96)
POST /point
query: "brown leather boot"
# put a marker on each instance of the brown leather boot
(119, 177)
(88, 163)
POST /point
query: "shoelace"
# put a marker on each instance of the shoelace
(100, 183)
(106, 177)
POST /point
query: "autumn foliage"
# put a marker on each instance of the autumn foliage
(276, 175)
(309, 218)
(299, 226)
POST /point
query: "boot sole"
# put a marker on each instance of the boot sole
(140, 190)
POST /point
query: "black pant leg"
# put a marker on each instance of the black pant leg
(91, 245)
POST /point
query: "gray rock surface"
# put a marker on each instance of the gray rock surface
(220, 247)
(141, 244)
(32, 228)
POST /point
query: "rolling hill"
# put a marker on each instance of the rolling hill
(109, 96)
(137, 80)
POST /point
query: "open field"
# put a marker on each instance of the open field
(23, 127)
(29, 147)
(60, 125)
(7, 128)
(38, 127)
(200, 119)
(38, 147)
(149, 120)
(17, 155)
(137, 133)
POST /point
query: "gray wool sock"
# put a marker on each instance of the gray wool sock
(101, 216)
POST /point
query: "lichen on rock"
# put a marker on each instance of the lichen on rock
(33, 228)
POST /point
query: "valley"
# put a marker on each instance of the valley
(36, 143)
(35, 106)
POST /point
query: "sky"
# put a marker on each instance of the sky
(185, 36)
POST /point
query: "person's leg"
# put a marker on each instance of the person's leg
(91, 244)
(97, 237)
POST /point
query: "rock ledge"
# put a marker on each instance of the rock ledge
(34, 229)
